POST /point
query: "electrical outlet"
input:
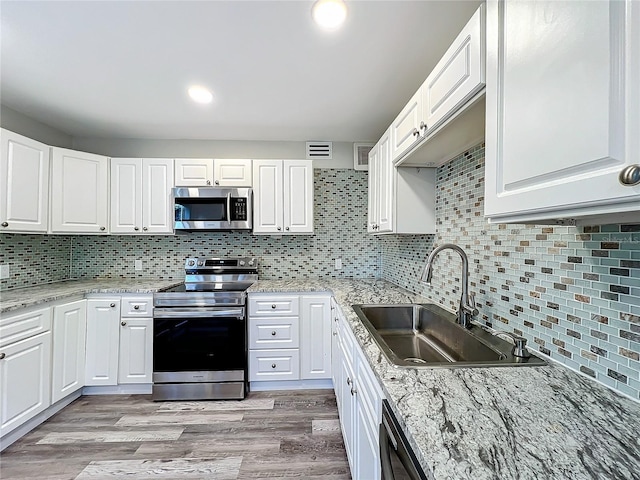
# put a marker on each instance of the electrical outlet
(4, 272)
(338, 264)
(138, 264)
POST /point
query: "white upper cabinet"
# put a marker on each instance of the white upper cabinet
(79, 192)
(24, 184)
(459, 74)
(203, 172)
(141, 195)
(563, 111)
(401, 200)
(406, 128)
(235, 172)
(283, 196)
(446, 115)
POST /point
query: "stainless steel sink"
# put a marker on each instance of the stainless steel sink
(425, 335)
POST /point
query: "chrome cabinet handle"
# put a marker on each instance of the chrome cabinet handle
(112, 305)
(208, 182)
(353, 391)
(102, 229)
(217, 182)
(630, 176)
(136, 228)
(348, 381)
(279, 228)
(136, 307)
(2, 355)
(5, 224)
(416, 132)
(335, 334)
(273, 333)
(287, 228)
(273, 365)
(144, 229)
(423, 126)
(273, 306)
(124, 324)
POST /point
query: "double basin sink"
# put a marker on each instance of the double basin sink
(425, 335)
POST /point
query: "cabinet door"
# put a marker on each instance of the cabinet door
(79, 192)
(136, 350)
(235, 172)
(458, 75)
(298, 196)
(367, 454)
(347, 410)
(405, 129)
(194, 172)
(336, 359)
(386, 175)
(157, 207)
(268, 197)
(25, 380)
(562, 119)
(24, 184)
(315, 338)
(373, 215)
(69, 340)
(103, 338)
(126, 195)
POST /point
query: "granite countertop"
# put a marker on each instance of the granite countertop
(17, 298)
(494, 423)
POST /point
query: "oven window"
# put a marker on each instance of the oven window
(198, 344)
(205, 210)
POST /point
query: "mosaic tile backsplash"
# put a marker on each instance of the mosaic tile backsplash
(573, 292)
(340, 204)
(35, 259)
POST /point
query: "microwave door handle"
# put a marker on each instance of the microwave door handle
(229, 207)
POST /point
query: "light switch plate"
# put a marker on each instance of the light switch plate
(4, 272)
(338, 264)
(138, 264)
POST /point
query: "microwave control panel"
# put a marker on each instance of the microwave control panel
(239, 209)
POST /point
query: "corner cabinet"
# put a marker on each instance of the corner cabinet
(283, 193)
(563, 119)
(79, 192)
(24, 184)
(401, 200)
(141, 195)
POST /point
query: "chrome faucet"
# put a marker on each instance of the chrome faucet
(467, 309)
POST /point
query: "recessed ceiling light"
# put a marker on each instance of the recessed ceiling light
(200, 94)
(329, 14)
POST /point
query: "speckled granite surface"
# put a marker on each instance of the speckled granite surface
(495, 423)
(26, 297)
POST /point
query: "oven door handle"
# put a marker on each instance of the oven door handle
(182, 313)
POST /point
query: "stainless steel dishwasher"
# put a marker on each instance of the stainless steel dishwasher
(397, 459)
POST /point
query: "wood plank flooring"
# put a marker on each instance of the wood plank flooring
(268, 435)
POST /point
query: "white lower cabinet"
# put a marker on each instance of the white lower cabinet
(69, 340)
(359, 399)
(103, 339)
(119, 341)
(135, 363)
(289, 337)
(25, 367)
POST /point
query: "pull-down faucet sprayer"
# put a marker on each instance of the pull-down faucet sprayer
(467, 309)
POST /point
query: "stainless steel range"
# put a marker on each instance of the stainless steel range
(200, 331)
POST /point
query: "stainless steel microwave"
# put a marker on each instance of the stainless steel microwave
(213, 208)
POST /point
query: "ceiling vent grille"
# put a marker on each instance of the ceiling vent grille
(361, 155)
(319, 150)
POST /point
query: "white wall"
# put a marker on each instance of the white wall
(20, 123)
(140, 148)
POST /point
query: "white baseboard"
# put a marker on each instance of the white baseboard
(290, 385)
(29, 425)
(129, 389)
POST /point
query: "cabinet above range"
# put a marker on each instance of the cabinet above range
(218, 172)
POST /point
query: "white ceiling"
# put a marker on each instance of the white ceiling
(120, 69)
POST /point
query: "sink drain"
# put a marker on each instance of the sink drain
(414, 360)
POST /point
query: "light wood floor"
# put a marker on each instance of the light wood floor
(267, 435)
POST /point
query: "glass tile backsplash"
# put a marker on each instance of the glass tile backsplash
(573, 292)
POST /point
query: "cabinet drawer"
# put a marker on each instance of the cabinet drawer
(137, 306)
(369, 391)
(14, 328)
(274, 365)
(276, 305)
(347, 339)
(278, 332)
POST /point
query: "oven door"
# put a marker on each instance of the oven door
(199, 344)
(397, 459)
